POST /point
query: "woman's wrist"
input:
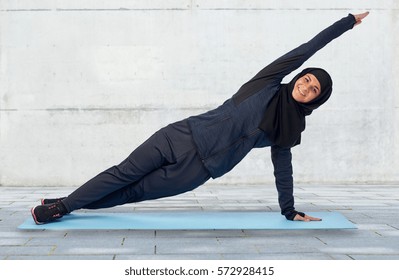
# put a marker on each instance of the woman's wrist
(291, 215)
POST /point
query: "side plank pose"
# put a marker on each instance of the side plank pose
(184, 155)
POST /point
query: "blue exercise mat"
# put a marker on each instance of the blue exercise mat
(203, 220)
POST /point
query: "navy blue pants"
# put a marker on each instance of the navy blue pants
(166, 164)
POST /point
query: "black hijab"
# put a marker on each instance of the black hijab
(284, 119)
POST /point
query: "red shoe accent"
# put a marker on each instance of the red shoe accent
(32, 211)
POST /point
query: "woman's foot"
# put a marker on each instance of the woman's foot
(51, 200)
(48, 213)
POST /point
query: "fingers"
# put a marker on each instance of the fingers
(300, 218)
(360, 17)
(312, 218)
(306, 218)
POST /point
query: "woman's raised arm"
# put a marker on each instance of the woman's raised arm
(281, 67)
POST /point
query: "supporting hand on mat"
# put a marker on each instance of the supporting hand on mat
(305, 218)
(360, 17)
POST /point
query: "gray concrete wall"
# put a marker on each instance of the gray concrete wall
(82, 83)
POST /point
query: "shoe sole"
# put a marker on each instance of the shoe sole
(32, 211)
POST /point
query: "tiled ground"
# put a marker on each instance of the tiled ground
(373, 208)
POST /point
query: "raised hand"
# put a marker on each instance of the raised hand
(360, 17)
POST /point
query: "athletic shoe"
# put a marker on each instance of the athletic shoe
(51, 200)
(47, 213)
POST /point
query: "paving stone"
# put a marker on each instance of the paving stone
(388, 232)
(14, 241)
(137, 248)
(100, 234)
(166, 246)
(373, 227)
(26, 250)
(199, 233)
(378, 245)
(326, 235)
(171, 257)
(88, 242)
(39, 233)
(44, 241)
(277, 256)
(375, 257)
(288, 248)
(62, 257)
(340, 257)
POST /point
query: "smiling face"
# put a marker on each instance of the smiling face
(306, 88)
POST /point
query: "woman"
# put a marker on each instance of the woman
(185, 154)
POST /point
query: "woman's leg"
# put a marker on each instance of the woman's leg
(160, 150)
(185, 175)
(166, 164)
